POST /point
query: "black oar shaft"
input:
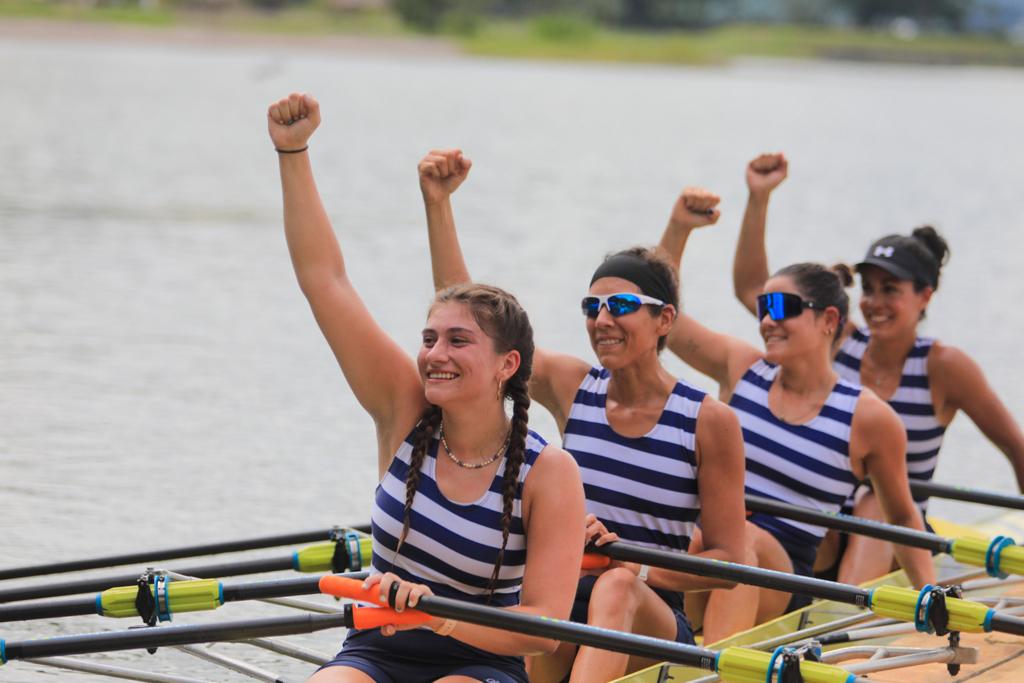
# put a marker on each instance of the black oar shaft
(438, 606)
(1003, 623)
(50, 609)
(581, 634)
(1003, 500)
(255, 590)
(764, 578)
(857, 525)
(172, 635)
(208, 571)
(167, 554)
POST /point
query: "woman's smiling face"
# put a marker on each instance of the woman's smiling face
(810, 332)
(457, 360)
(621, 341)
(890, 306)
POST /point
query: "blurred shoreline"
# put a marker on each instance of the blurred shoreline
(546, 37)
(197, 35)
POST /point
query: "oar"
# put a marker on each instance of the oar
(899, 603)
(316, 558)
(175, 553)
(733, 665)
(994, 498)
(173, 597)
(905, 604)
(352, 617)
(1000, 556)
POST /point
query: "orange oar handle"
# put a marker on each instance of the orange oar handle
(375, 617)
(595, 561)
(344, 587)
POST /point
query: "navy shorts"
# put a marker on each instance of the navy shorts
(832, 573)
(581, 607)
(421, 656)
(801, 555)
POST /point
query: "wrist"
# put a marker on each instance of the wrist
(444, 627)
(759, 197)
(680, 226)
(436, 203)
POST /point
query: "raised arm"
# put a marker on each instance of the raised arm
(750, 265)
(964, 387)
(441, 172)
(383, 378)
(878, 429)
(556, 376)
(695, 208)
(719, 356)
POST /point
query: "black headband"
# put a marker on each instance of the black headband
(638, 271)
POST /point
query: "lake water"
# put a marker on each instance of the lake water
(161, 379)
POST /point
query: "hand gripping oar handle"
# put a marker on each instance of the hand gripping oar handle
(734, 665)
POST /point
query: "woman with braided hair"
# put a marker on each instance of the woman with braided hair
(654, 452)
(471, 505)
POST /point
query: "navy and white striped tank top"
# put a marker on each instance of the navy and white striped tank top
(451, 547)
(801, 464)
(645, 488)
(912, 402)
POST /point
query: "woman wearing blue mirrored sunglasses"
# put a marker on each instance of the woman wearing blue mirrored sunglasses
(810, 436)
(924, 380)
(653, 451)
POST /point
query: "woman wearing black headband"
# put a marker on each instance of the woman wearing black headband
(926, 382)
(809, 435)
(654, 452)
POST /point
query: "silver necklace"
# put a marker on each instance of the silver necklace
(474, 465)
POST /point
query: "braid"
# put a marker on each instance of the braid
(516, 454)
(420, 442)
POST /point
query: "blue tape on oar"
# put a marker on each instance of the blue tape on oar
(987, 624)
(776, 653)
(3, 651)
(994, 553)
(163, 601)
(921, 609)
(355, 554)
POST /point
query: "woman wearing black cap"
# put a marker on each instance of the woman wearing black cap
(926, 382)
(809, 435)
(653, 451)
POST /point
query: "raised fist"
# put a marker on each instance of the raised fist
(765, 173)
(696, 207)
(441, 173)
(292, 120)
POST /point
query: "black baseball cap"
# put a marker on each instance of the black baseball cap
(905, 257)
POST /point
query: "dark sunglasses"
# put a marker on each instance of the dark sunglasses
(618, 304)
(782, 305)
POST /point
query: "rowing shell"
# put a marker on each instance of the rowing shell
(985, 658)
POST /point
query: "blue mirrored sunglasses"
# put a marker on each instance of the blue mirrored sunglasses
(618, 304)
(782, 305)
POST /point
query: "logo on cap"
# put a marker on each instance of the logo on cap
(883, 251)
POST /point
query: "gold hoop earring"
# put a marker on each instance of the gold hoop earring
(499, 394)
